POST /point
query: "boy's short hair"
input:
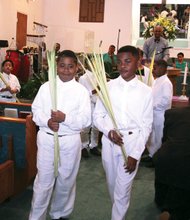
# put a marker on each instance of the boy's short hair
(67, 53)
(180, 53)
(161, 63)
(140, 51)
(7, 60)
(129, 49)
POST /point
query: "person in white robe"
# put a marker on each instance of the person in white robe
(162, 100)
(89, 136)
(73, 114)
(132, 106)
(9, 83)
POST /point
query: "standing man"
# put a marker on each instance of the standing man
(157, 43)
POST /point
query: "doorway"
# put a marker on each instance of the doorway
(21, 30)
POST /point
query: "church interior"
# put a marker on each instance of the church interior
(30, 28)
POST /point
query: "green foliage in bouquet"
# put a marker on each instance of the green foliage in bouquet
(169, 28)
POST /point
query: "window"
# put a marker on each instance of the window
(91, 11)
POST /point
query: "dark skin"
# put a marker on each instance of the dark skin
(158, 32)
(8, 68)
(158, 71)
(66, 68)
(127, 66)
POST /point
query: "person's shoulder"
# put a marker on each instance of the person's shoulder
(162, 39)
(149, 40)
(146, 69)
(44, 85)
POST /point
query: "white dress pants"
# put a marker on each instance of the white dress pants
(119, 182)
(60, 190)
(155, 139)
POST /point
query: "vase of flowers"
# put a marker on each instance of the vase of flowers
(169, 28)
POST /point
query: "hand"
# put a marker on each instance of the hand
(115, 137)
(53, 125)
(131, 164)
(57, 116)
(13, 91)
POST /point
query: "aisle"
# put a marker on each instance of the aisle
(92, 200)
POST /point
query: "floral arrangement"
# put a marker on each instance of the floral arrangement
(169, 28)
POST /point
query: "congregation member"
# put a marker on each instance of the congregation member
(180, 63)
(162, 100)
(172, 165)
(132, 106)
(143, 72)
(110, 59)
(158, 43)
(89, 136)
(73, 114)
(57, 47)
(8, 92)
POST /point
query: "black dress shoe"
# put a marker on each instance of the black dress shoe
(95, 151)
(85, 153)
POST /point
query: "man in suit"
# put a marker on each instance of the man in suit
(172, 166)
(158, 43)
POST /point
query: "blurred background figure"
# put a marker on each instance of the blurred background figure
(89, 136)
(57, 49)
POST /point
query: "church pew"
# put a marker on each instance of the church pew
(19, 135)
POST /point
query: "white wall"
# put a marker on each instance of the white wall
(8, 18)
(61, 17)
(64, 26)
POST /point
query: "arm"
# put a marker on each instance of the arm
(163, 97)
(166, 53)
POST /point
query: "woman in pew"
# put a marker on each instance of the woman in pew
(9, 84)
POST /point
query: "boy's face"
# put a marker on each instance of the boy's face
(158, 71)
(66, 69)
(127, 65)
(7, 68)
(180, 58)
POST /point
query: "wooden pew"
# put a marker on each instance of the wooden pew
(7, 175)
(26, 107)
(23, 155)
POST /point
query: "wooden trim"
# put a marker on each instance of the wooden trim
(15, 104)
(9, 119)
(35, 35)
(42, 25)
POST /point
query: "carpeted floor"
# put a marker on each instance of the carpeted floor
(92, 199)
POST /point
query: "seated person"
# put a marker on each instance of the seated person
(9, 84)
(110, 57)
(180, 63)
(172, 165)
(110, 62)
